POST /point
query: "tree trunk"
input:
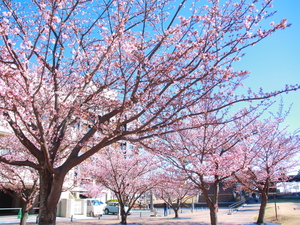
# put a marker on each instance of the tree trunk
(213, 214)
(212, 209)
(176, 212)
(176, 209)
(262, 209)
(123, 216)
(24, 215)
(50, 190)
(212, 204)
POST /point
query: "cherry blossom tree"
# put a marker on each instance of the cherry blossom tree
(208, 154)
(93, 190)
(175, 189)
(20, 183)
(77, 76)
(270, 154)
(128, 176)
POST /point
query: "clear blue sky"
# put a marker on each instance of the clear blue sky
(275, 61)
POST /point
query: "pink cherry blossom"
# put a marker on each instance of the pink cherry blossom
(79, 76)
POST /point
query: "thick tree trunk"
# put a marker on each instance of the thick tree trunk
(123, 219)
(123, 215)
(50, 190)
(262, 209)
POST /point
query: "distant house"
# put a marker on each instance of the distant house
(226, 196)
(290, 186)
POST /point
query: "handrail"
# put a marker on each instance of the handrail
(16, 208)
(235, 205)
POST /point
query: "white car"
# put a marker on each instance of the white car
(95, 207)
(113, 207)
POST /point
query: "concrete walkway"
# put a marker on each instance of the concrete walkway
(244, 216)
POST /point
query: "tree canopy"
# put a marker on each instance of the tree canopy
(77, 76)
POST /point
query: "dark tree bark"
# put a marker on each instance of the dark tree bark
(123, 214)
(262, 209)
(212, 204)
(176, 212)
(264, 192)
(50, 190)
(176, 209)
(213, 213)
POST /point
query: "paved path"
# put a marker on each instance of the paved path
(244, 215)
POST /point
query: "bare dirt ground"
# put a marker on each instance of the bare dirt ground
(288, 213)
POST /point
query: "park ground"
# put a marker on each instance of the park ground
(288, 213)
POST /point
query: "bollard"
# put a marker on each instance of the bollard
(20, 214)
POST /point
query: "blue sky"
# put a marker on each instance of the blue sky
(275, 61)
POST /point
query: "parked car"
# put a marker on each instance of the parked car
(95, 207)
(113, 207)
